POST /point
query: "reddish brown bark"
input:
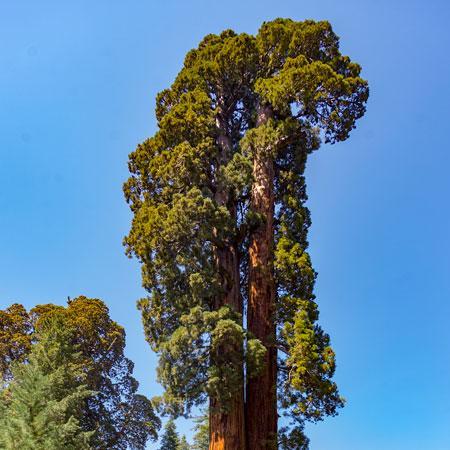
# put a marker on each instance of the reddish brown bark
(227, 425)
(261, 403)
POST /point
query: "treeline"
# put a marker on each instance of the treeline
(66, 383)
(170, 440)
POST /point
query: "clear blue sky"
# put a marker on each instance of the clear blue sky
(77, 87)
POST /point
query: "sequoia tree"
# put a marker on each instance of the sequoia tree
(220, 227)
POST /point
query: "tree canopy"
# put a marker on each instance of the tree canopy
(15, 338)
(120, 416)
(41, 407)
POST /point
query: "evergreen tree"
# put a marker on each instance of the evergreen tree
(42, 405)
(170, 439)
(220, 227)
(201, 437)
(183, 445)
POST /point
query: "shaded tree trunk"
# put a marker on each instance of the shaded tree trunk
(227, 425)
(261, 407)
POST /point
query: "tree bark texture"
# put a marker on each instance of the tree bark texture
(227, 425)
(261, 400)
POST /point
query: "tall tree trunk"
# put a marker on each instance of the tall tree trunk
(261, 407)
(227, 425)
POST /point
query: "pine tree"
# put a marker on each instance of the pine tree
(201, 437)
(220, 227)
(183, 445)
(170, 439)
(42, 405)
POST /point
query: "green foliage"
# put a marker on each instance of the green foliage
(293, 438)
(42, 405)
(179, 223)
(170, 439)
(183, 445)
(121, 417)
(189, 194)
(201, 437)
(15, 338)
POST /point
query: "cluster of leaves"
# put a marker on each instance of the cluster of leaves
(120, 416)
(189, 193)
(15, 338)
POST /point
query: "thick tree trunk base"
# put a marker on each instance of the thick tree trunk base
(261, 400)
(227, 429)
(261, 414)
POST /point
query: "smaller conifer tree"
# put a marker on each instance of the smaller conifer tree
(170, 439)
(184, 444)
(201, 437)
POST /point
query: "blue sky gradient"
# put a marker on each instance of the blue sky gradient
(77, 88)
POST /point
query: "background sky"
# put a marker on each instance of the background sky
(77, 87)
